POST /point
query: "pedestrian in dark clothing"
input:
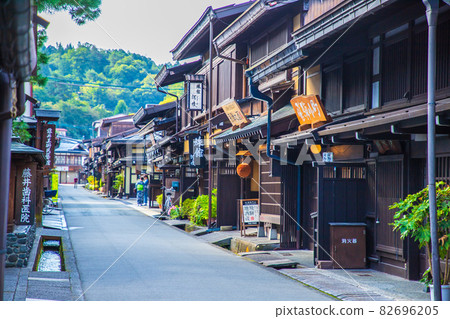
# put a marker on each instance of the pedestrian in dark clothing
(75, 182)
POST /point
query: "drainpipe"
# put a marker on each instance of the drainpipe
(5, 167)
(159, 89)
(432, 17)
(257, 94)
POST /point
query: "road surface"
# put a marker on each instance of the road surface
(123, 254)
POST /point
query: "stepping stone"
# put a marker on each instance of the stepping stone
(279, 263)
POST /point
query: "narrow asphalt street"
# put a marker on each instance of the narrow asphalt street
(124, 255)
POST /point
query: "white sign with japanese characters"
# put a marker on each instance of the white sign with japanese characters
(25, 211)
(195, 101)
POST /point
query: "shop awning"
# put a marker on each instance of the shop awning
(385, 120)
(168, 76)
(144, 115)
(256, 125)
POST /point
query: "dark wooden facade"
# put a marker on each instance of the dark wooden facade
(377, 67)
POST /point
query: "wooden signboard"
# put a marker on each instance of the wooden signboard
(196, 151)
(310, 111)
(25, 204)
(235, 114)
(48, 144)
(249, 213)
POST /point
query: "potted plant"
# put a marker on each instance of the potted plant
(413, 219)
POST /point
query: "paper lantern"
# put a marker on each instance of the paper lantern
(244, 170)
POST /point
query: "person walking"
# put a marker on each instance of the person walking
(145, 190)
(75, 182)
(139, 189)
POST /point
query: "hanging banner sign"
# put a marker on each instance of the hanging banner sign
(234, 113)
(196, 151)
(310, 110)
(48, 144)
(195, 92)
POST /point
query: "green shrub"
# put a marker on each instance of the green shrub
(199, 213)
(118, 182)
(187, 206)
(175, 212)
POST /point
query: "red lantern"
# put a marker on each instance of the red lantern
(244, 170)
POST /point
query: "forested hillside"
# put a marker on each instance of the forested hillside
(87, 83)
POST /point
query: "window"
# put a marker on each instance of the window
(331, 92)
(395, 68)
(343, 87)
(354, 83)
(269, 43)
(399, 62)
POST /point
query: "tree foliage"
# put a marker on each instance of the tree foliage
(93, 81)
(80, 11)
(20, 129)
(121, 108)
(412, 218)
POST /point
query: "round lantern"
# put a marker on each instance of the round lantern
(244, 170)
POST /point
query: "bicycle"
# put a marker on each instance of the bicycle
(48, 205)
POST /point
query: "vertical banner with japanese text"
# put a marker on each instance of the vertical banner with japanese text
(196, 151)
(25, 207)
(48, 144)
(195, 92)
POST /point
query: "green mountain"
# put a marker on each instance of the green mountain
(87, 83)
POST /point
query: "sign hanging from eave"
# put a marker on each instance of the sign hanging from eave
(195, 92)
(235, 114)
(196, 151)
(310, 111)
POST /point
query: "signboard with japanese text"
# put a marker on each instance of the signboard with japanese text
(48, 144)
(234, 113)
(25, 205)
(309, 110)
(196, 151)
(194, 83)
(250, 212)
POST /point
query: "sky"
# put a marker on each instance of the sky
(148, 27)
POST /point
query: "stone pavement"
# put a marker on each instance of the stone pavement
(25, 284)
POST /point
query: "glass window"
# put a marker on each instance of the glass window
(375, 95)
(376, 61)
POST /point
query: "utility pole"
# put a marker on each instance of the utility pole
(210, 173)
(432, 17)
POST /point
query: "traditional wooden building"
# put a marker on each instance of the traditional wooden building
(69, 158)
(261, 30)
(367, 62)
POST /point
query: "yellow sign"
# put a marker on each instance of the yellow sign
(309, 110)
(234, 113)
(54, 186)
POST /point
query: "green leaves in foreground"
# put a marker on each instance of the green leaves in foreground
(412, 218)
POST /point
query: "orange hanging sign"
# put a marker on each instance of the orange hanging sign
(310, 110)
